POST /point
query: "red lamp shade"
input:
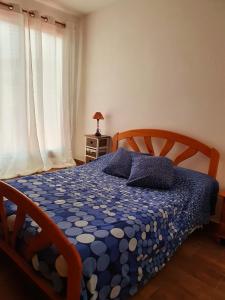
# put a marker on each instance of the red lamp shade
(98, 116)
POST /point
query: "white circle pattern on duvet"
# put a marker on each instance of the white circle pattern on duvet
(35, 262)
(117, 232)
(85, 238)
(61, 266)
(81, 223)
(92, 283)
(11, 222)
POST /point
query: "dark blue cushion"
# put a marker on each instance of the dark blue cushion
(121, 162)
(151, 172)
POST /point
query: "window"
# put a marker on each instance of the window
(34, 95)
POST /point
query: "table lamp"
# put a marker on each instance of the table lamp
(98, 116)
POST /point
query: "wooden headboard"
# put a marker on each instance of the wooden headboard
(193, 146)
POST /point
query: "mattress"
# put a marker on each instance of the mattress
(125, 235)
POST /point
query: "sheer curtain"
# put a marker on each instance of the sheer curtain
(37, 94)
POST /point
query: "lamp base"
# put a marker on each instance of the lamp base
(97, 133)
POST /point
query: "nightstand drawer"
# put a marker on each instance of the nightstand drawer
(103, 142)
(91, 152)
(91, 142)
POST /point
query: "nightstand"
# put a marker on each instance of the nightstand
(221, 227)
(96, 146)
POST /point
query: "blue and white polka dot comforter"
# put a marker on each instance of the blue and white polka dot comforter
(124, 235)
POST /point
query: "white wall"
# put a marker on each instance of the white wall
(156, 64)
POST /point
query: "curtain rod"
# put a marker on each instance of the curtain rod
(11, 7)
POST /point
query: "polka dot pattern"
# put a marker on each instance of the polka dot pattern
(115, 292)
(98, 248)
(35, 262)
(132, 244)
(85, 238)
(117, 232)
(124, 235)
(61, 266)
(10, 222)
(81, 223)
(92, 283)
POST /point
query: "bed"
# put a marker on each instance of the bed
(79, 233)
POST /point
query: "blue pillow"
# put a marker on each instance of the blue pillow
(151, 172)
(121, 162)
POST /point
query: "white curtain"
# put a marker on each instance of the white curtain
(37, 94)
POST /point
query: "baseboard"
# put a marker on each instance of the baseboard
(79, 162)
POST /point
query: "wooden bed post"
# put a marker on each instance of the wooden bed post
(115, 142)
(214, 162)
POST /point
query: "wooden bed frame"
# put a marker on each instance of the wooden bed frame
(193, 146)
(52, 235)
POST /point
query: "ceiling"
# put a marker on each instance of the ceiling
(76, 6)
